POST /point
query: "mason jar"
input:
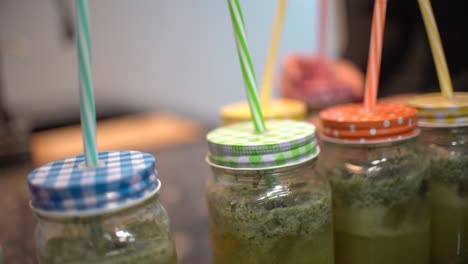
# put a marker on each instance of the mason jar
(108, 214)
(381, 202)
(379, 180)
(269, 208)
(448, 150)
(443, 122)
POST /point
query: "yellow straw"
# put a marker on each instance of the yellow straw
(268, 75)
(440, 61)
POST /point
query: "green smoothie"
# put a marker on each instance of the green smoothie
(381, 218)
(249, 228)
(127, 246)
(449, 227)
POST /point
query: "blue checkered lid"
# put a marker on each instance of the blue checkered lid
(67, 186)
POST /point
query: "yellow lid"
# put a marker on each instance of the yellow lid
(277, 109)
(436, 110)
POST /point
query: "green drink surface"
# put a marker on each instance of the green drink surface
(383, 235)
(449, 226)
(246, 229)
(408, 248)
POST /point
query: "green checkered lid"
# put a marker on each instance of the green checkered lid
(286, 142)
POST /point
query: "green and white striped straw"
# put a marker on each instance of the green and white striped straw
(87, 108)
(246, 65)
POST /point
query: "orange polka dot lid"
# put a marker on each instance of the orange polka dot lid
(352, 123)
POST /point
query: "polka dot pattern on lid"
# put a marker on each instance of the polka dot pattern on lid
(352, 122)
(435, 110)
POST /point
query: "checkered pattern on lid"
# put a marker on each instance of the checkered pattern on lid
(351, 122)
(434, 110)
(285, 142)
(68, 186)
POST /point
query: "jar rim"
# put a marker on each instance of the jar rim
(435, 125)
(287, 165)
(367, 143)
(94, 212)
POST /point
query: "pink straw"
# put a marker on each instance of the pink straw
(322, 30)
(322, 36)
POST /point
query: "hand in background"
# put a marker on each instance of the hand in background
(320, 82)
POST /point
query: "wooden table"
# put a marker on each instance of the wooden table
(183, 173)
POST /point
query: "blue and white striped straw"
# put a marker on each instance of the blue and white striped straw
(87, 108)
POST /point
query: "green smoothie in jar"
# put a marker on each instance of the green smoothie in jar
(107, 214)
(449, 197)
(121, 247)
(444, 134)
(379, 181)
(267, 203)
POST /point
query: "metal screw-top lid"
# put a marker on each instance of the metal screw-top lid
(434, 110)
(352, 123)
(285, 143)
(67, 186)
(276, 109)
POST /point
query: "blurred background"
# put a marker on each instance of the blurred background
(148, 55)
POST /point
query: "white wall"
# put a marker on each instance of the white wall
(173, 55)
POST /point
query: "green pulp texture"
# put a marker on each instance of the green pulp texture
(361, 190)
(449, 195)
(108, 249)
(273, 226)
(451, 171)
(139, 234)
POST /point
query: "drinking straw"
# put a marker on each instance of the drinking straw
(375, 54)
(440, 61)
(322, 36)
(322, 29)
(267, 81)
(87, 108)
(246, 65)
